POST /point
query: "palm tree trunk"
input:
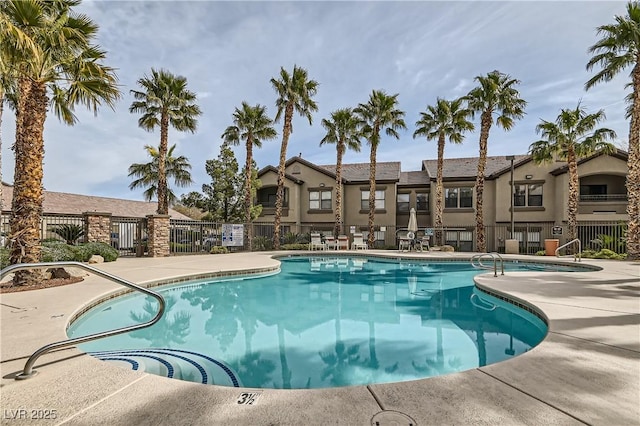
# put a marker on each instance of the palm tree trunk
(485, 126)
(372, 195)
(286, 131)
(1, 112)
(572, 203)
(439, 192)
(340, 152)
(163, 202)
(633, 177)
(247, 192)
(27, 191)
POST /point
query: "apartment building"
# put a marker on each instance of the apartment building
(539, 197)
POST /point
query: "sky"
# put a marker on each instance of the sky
(229, 51)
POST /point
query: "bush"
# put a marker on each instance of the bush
(218, 250)
(4, 257)
(69, 232)
(59, 251)
(296, 246)
(541, 253)
(85, 251)
(262, 243)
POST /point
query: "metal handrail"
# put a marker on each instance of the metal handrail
(495, 257)
(28, 371)
(576, 256)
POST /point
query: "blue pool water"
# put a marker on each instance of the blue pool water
(320, 322)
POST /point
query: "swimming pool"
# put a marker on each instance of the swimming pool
(320, 322)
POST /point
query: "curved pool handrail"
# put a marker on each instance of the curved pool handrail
(576, 256)
(494, 256)
(28, 371)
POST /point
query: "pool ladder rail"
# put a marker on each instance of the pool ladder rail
(28, 370)
(476, 262)
(576, 256)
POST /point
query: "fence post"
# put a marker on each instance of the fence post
(158, 234)
(97, 227)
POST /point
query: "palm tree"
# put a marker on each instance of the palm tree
(619, 48)
(572, 136)
(147, 173)
(379, 114)
(252, 125)
(165, 100)
(295, 92)
(495, 94)
(343, 130)
(445, 119)
(49, 48)
(8, 95)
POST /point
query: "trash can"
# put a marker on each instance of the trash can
(550, 246)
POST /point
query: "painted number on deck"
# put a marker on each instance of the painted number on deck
(248, 398)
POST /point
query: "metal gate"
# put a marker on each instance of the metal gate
(129, 236)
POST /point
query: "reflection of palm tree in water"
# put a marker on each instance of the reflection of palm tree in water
(286, 373)
(166, 330)
(253, 371)
(438, 366)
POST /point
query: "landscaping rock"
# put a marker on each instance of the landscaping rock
(447, 248)
(58, 273)
(96, 259)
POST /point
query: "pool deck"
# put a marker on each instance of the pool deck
(586, 371)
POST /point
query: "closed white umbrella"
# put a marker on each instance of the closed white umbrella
(413, 221)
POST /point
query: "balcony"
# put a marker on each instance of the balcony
(602, 204)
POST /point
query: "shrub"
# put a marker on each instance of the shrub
(296, 246)
(69, 232)
(59, 252)
(85, 251)
(603, 254)
(262, 243)
(541, 253)
(218, 250)
(4, 257)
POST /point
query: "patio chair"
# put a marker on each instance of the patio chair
(423, 243)
(316, 242)
(404, 242)
(342, 243)
(331, 243)
(358, 242)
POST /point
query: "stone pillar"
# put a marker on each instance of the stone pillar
(158, 234)
(97, 227)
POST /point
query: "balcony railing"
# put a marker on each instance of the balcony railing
(604, 197)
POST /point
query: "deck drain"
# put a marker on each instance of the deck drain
(392, 418)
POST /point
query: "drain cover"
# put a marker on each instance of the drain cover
(392, 418)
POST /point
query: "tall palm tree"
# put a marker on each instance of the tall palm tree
(252, 125)
(619, 48)
(295, 92)
(379, 114)
(48, 46)
(165, 101)
(8, 95)
(447, 119)
(572, 136)
(343, 130)
(495, 94)
(177, 168)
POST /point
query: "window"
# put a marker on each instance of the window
(458, 198)
(403, 203)
(320, 200)
(422, 201)
(528, 195)
(364, 200)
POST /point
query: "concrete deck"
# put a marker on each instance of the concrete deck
(587, 370)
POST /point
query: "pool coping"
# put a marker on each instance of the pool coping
(515, 391)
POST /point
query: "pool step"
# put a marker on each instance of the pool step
(173, 363)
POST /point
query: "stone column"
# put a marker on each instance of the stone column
(158, 234)
(97, 227)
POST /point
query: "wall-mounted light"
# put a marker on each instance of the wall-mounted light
(528, 177)
(322, 185)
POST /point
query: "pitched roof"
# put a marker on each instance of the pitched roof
(359, 172)
(461, 168)
(65, 203)
(414, 178)
(621, 154)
